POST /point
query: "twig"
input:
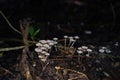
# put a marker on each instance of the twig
(11, 48)
(9, 23)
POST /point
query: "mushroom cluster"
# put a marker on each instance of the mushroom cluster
(82, 49)
(104, 50)
(71, 40)
(44, 48)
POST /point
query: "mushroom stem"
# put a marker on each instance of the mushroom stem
(72, 43)
(65, 39)
(65, 43)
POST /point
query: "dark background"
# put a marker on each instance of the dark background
(73, 16)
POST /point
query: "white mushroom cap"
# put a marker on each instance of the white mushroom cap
(38, 50)
(55, 39)
(88, 32)
(55, 42)
(70, 37)
(46, 45)
(116, 44)
(79, 51)
(51, 43)
(47, 54)
(65, 36)
(34, 64)
(89, 50)
(43, 41)
(43, 52)
(76, 37)
(38, 44)
(108, 51)
(104, 48)
(84, 47)
(79, 48)
(49, 47)
(48, 41)
(101, 50)
(43, 48)
(40, 56)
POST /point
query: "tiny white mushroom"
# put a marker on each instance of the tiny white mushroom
(104, 48)
(76, 37)
(88, 32)
(79, 52)
(116, 44)
(48, 41)
(49, 47)
(46, 45)
(38, 44)
(43, 48)
(65, 36)
(55, 39)
(40, 56)
(79, 48)
(84, 47)
(47, 54)
(101, 50)
(89, 50)
(34, 64)
(55, 42)
(38, 50)
(43, 41)
(51, 43)
(43, 52)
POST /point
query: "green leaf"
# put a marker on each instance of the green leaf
(31, 31)
(36, 32)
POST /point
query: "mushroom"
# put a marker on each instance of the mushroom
(43, 41)
(55, 39)
(38, 44)
(38, 50)
(79, 52)
(84, 47)
(101, 50)
(55, 45)
(89, 50)
(76, 37)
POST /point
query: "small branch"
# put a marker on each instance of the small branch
(9, 23)
(12, 48)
